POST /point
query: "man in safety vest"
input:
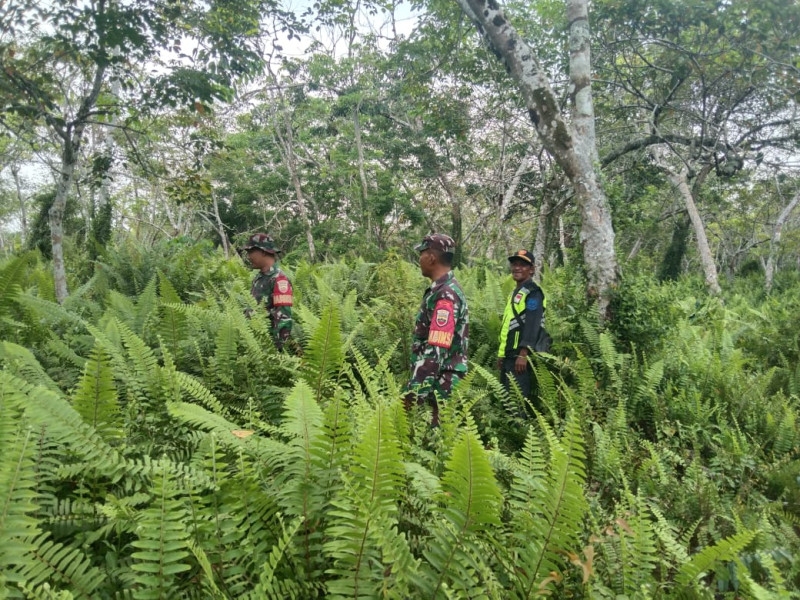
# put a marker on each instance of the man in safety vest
(522, 331)
(441, 331)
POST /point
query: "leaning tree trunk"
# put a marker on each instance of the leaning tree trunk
(776, 240)
(573, 152)
(680, 180)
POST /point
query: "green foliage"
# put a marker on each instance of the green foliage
(159, 446)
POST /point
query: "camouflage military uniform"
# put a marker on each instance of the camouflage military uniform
(275, 291)
(271, 287)
(440, 339)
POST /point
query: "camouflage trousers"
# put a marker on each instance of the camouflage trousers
(424, 395)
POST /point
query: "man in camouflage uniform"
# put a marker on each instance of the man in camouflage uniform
(271, 286)
(441, 331)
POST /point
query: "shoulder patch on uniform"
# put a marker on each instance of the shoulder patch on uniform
(443, 324)
(282, 292)
(532, 304)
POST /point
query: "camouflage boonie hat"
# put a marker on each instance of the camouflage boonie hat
(262, 241)
(436, 241)
(522, 255)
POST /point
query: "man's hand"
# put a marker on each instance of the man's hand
(500, 363)
(520, 364)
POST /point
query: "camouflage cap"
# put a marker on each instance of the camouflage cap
(525, 255)
(436, 241)
(262, 241)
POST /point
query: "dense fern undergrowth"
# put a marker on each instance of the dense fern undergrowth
(155, 445)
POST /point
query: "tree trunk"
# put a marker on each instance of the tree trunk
(69, 158)
(540, 243)
(72, 137)
(680, 180)
(776, 240)
(220, 227)
(23, 213)
(574, 151)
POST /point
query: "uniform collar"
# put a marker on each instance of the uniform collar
(273, 269)
(528, 283)
(441, 281)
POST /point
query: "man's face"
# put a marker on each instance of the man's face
(521, 270)
(426, 260)
(260, 259)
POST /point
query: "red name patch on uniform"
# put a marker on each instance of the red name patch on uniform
(282, 293)
(443, 325)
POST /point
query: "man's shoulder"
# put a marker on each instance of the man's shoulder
(452, 292)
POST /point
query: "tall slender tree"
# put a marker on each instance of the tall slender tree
(572, 144)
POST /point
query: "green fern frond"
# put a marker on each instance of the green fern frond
(95, 398)
(205, 564)
(172, 325)
(17, 489)
(143, 364)
(471, 505)
(146, 309)
(367, 504)
(44, 592)
(226, 352)
(62, 423)
(557, 507)
(271, 451)
(195, 389)
(270, 584)
(162, 542)
(48, 562)
(727, 549)
(324, 353)
(11, 277)
(66, 354)
(22, 363)
(512, 401)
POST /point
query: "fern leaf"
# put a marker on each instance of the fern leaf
(49, 561)
(557, 509)
(472, 501)
(21, 362)
(172, 324)
(226, 352)
(369, 504)
(324, 351)
(11, 276)
(162, 542)
(724, 550)
(54, 414)
(17, 491)
(95, 398)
